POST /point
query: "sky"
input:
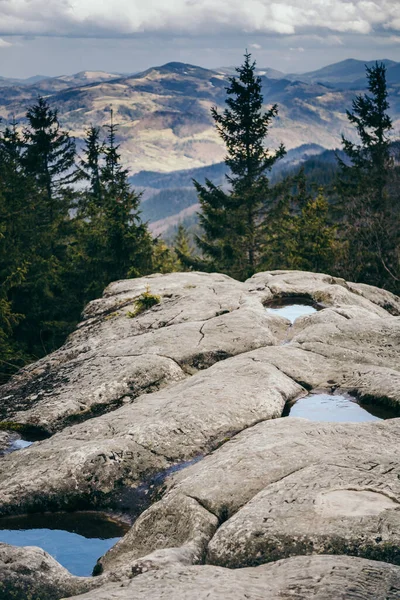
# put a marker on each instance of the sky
(55, 37)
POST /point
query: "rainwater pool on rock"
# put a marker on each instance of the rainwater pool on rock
(19, 442)
(75, 540)
(292, 308)
(340, 408)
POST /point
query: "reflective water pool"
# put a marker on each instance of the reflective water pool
(335, 408)
(292, 308)
(75, 540)
(20, 444)
(21, 441)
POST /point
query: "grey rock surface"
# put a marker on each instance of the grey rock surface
(272, 489)
(125, 447)
(200, 320)
(31, 574)
(5, 440)
(317, 577)
(204, 376)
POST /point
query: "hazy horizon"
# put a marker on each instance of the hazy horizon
(293, 36)
(199, 63)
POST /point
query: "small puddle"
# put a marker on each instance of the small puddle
(78, 539)
(292, 308)
(19, 445)
(335, 408)
(21, 442)
(75, 540)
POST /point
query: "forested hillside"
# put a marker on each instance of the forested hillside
(71, 221)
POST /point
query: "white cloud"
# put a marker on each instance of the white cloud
(255, 46)
(124, 17)
(4, 44)
(327, 40)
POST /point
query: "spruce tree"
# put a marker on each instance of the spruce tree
(114, 243)
(50, 158)
(369, 160)
(233, 222)
(182, 241)
(370, 201)
(91, 164)
(128, 241)
(19, 220)
(299, 234)
(37, 172)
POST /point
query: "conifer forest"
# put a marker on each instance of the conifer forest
(71, 222)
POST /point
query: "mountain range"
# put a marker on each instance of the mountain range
(164, 112)
(166, 132)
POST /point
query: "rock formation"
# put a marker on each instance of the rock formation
(201, 379)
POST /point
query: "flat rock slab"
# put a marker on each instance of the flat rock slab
(282, 488)
(86, 462)
(320, 509)
(112, 357)
(324, 290)
(200, 320)
(317, 577)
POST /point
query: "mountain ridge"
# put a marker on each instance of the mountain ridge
(164, 112)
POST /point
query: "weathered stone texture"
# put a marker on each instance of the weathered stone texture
(205, 375)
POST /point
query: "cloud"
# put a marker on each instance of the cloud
(4, 44)
(255, 46)
(126, 17)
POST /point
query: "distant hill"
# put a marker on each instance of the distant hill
(164, 112)
(169, 196)
(161, 210)
(179, 179)
(347, 74)
(10, 82)
(267, 72)
(43, 83)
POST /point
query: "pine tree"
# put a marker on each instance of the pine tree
(183, 248)
(127, 237)
(50, 158)
(164, 259)
(299, 234)
(36, 172)
(91, 164)
(316, 238)
(18, 233)
(233, 221)
(114, 243)
(370, 206)
(370, 159)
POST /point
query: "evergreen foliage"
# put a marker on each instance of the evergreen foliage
(54, 259)
(233, 221)
(183, 248)
(370, 191)
(49, 156)
(370, 159)
(114, 243)
(299, 234)
(164, 259)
